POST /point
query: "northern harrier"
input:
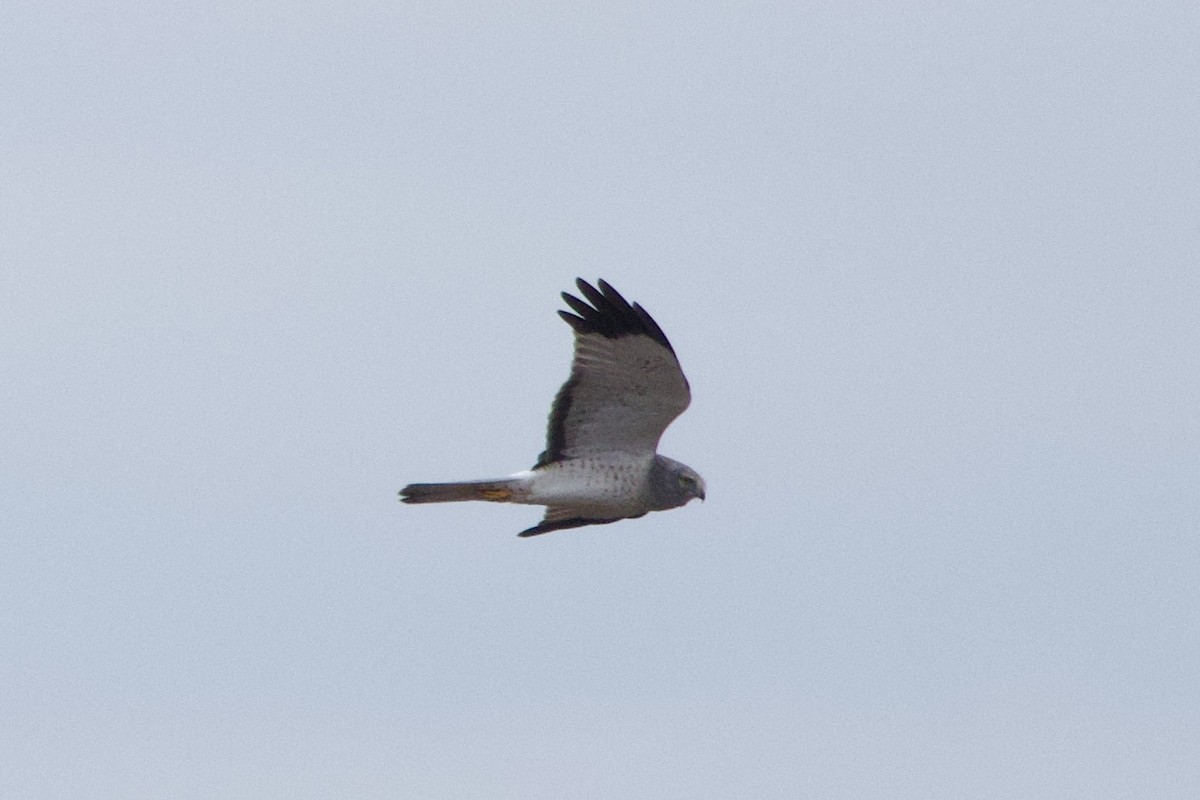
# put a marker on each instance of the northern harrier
(600, 463)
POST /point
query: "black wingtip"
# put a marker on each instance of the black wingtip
(605, 312)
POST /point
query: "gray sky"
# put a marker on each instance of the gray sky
(933, 275)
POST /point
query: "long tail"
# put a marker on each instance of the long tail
(495, 491)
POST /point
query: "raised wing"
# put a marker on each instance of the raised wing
(626, 385)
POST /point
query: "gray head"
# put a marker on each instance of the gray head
(673, 484)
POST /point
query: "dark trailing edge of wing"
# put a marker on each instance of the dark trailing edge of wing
(573, 522)
(555, 439)
(609, 314)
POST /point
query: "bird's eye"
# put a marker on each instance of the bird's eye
(687, 480)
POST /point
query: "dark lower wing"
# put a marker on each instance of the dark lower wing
(547, 525)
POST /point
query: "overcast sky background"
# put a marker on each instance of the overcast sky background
(933, 272)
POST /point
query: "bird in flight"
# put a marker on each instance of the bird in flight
(600, 464)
